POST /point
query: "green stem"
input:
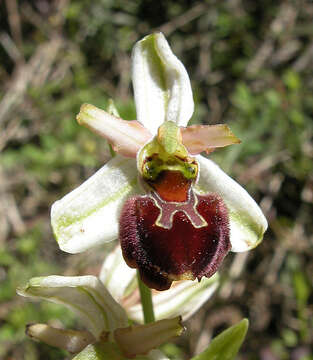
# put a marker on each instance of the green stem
(146, 301)
(112, 152)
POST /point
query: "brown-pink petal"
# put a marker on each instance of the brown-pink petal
(198, 138)
(126, 137)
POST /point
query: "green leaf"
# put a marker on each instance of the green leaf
(301, 288)
(226, 345)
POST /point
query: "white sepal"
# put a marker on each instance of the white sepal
(161, 84)
(89, 215)
(116, 275)
(85, 295)
(247, 222)
(183, 298)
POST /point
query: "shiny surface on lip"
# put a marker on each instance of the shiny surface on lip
(179, 253)
(171, 186)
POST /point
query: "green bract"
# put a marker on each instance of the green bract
(108, 330)
(226, 345)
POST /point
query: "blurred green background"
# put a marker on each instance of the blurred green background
(250, 63)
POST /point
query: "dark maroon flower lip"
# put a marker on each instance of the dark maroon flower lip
(180, 251)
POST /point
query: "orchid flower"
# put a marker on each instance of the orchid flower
(175, 212)
(108, 335)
